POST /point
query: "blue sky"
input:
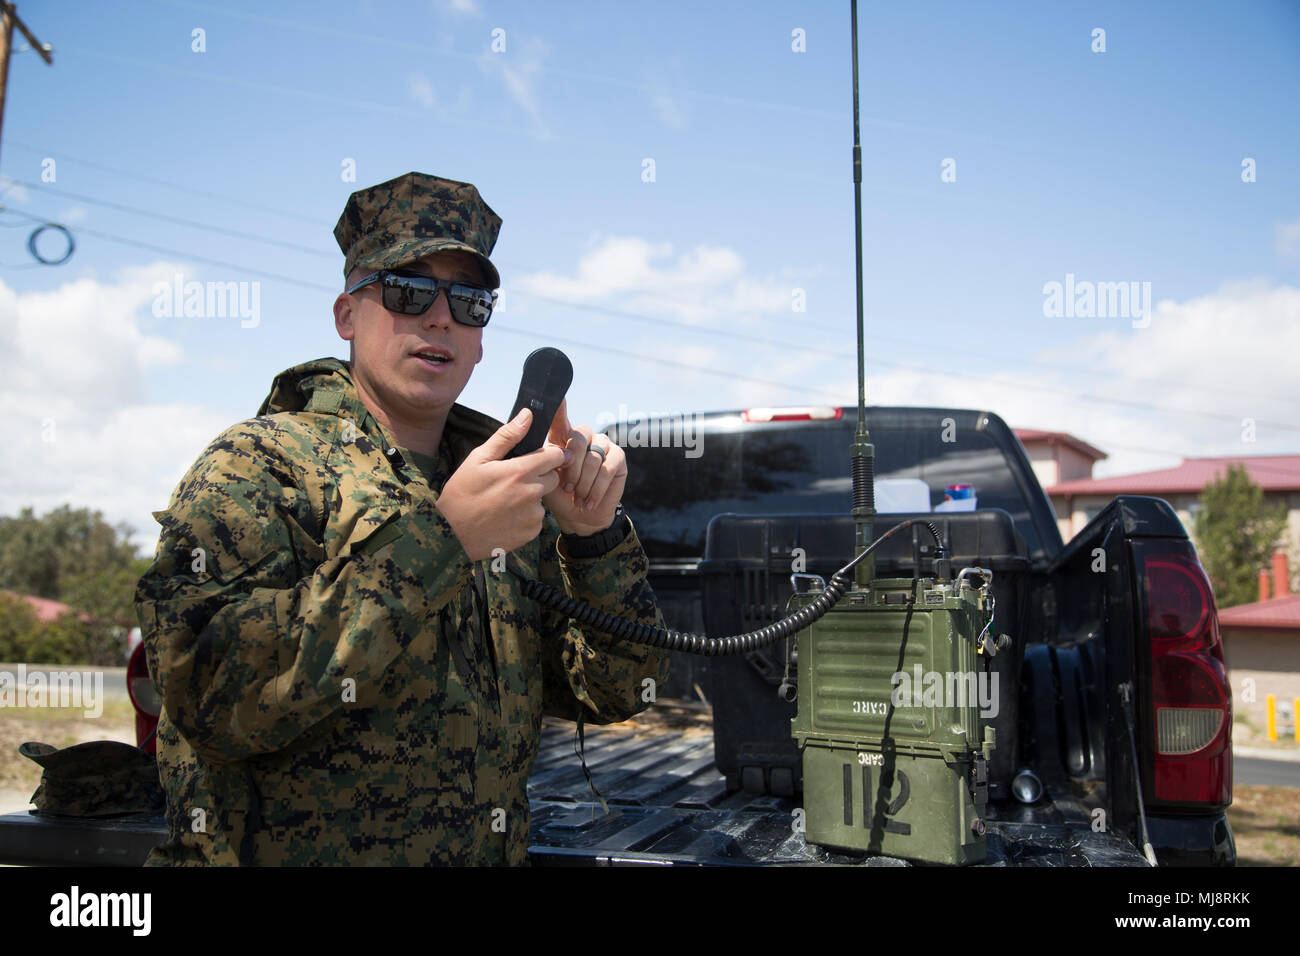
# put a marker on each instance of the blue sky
(1117, 166)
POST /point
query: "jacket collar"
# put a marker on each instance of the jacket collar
(325, 386)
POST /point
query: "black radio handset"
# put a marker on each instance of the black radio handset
(547, 376)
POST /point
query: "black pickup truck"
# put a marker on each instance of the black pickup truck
(1114, 720)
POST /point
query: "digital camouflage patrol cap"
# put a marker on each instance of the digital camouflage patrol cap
(404, 219)
(96, 779)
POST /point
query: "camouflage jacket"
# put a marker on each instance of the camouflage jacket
(305, 623)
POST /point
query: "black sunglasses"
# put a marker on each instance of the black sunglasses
(411, 293)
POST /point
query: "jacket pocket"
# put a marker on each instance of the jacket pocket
(457, 713)
(363, 519)
(200, 550)
(457, 767)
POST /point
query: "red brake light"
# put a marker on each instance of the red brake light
(1191, 702)
(1178, 599)
(801, 413)
(144, 697)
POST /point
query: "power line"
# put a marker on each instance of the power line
(419, 115)
(1096, 399)
(607, 310)
(177, 220)
(642, 357)
(826, 394)
(116, 171)
(599, 309)
(1181, 455)
(353, 37)
(604, 80)
(500, 327)
(1051, 366)
(787, 344)
(172, 251)
(791, 346)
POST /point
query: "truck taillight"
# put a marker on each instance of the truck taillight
(144, 697)
(1191, 706)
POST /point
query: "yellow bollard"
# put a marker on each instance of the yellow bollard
(1271, 702)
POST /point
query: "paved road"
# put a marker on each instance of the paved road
(114, 677)
(1258, 770)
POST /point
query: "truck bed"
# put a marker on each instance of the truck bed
(667, 805)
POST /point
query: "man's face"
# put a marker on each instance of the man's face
(384, 344)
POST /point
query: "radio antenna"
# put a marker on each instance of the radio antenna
(862, 453)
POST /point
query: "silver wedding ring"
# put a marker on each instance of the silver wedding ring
(598, 451)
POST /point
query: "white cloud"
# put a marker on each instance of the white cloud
(1133, 441)
(1227, 353)
(668, 106)
(669, 109)
(1148, 397)
(617, 264)
(421, 90)
(422, 93)
(519, 68)
(697, 285)
(79, 428)
(460, 8)
(12, 192)
(1287, 239)
(668, 93)
(1182, 387)
(81, 342)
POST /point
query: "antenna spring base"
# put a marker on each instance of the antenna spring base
(864, 482)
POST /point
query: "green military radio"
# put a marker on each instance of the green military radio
(888, 723)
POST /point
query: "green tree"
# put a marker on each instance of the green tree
(106, 593)
(66, 640)
(18, 628)
(1235, 534)
(38, 555)
(74, 556)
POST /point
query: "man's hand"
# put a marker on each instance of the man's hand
(492, 503)
(590, 487)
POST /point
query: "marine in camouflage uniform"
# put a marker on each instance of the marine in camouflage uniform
(341, 683)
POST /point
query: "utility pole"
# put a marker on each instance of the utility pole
(9, 20)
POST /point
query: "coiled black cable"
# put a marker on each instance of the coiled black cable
(841, 581)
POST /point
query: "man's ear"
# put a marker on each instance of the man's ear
(480, 354)
(343, 317)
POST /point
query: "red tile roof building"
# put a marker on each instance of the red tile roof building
(1281, 614)
(1271, 472)
(1058, 460)
(46, 610)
